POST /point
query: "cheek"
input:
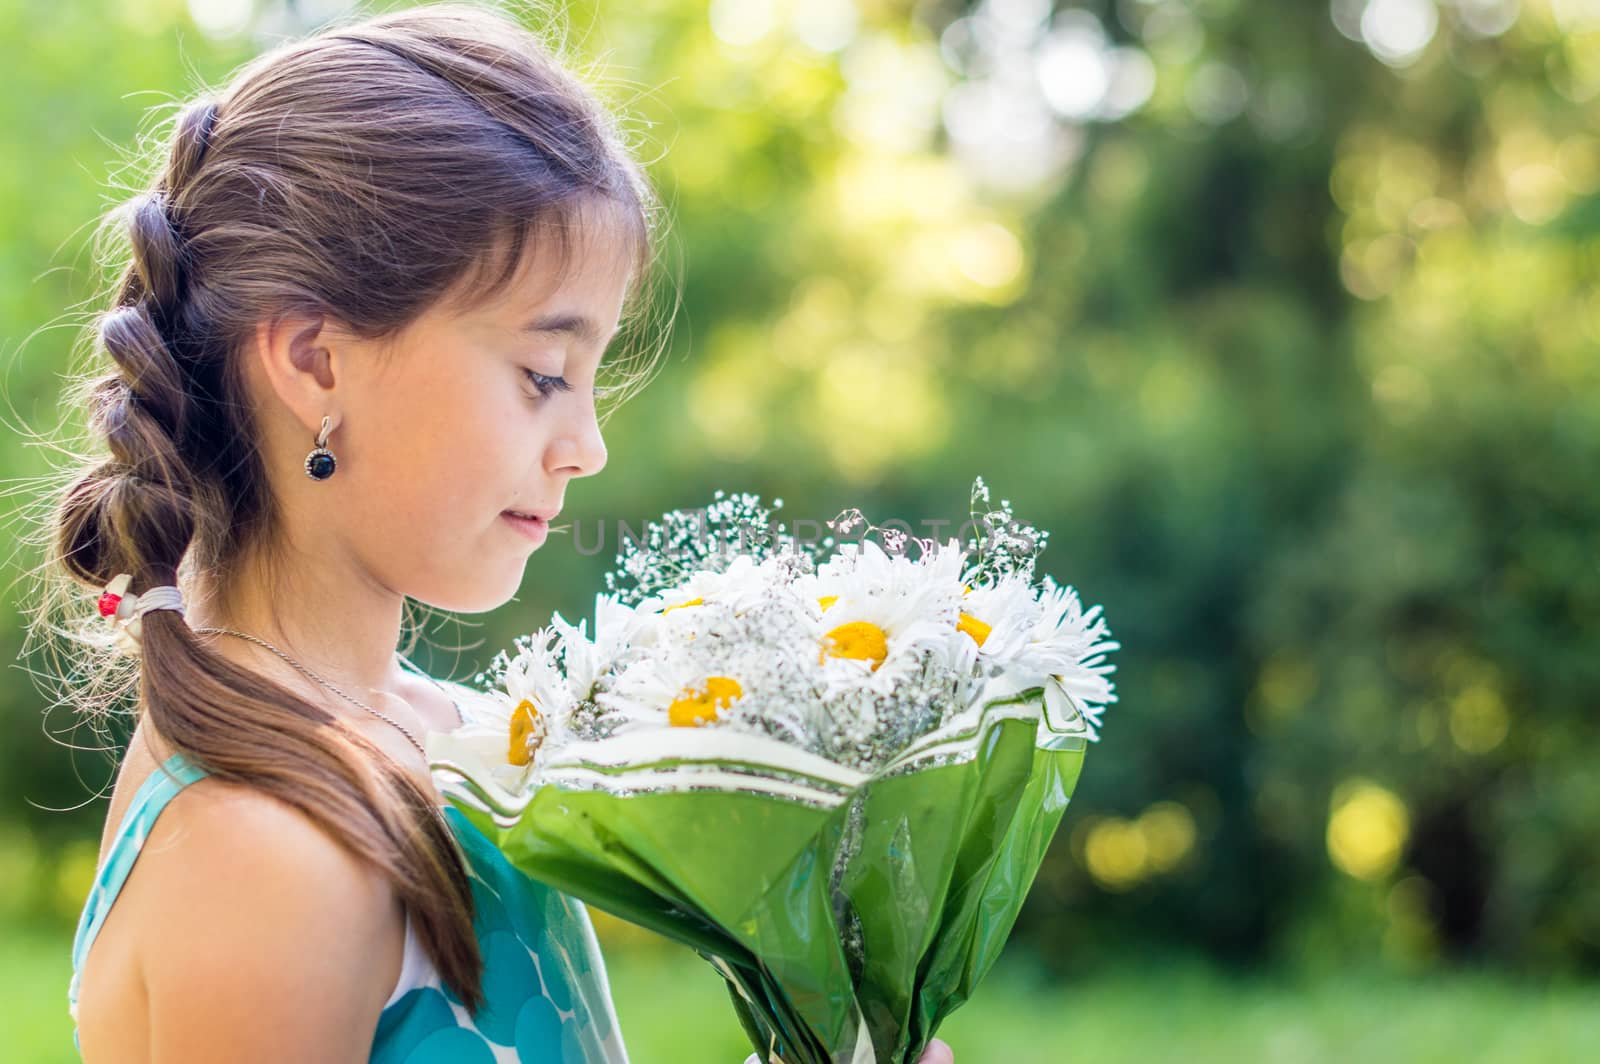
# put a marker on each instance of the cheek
(451, 457)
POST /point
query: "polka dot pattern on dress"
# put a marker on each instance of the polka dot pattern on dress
(545, 997)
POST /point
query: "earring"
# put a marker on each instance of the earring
(320, 462)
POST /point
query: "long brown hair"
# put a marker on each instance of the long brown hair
(365, 172)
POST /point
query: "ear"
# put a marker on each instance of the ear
(302, 359)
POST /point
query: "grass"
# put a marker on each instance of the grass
(674, 1009)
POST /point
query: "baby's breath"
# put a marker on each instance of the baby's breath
(1003, 545)
(705, 539)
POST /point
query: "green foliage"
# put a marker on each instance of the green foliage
(1301, 381)
(674, 1009)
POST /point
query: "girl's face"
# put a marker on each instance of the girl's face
(446, 431)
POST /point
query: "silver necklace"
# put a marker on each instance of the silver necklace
(381, 716)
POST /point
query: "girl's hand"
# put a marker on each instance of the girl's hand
(936, 1053)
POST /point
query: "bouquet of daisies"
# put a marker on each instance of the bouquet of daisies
(832, 769)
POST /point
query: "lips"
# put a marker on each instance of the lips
(545, 515)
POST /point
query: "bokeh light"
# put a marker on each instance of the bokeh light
(1367, 829)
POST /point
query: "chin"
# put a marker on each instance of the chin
(486, 592)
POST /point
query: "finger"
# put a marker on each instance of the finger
(938, 1052)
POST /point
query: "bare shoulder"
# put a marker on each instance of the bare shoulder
(472, 700)
(261, 932)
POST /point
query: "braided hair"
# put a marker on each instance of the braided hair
(146, 409)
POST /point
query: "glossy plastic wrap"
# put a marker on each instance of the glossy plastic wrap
(849, 914)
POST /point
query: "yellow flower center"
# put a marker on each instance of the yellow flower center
(680, 605)
(827, 600)
(527, 732)
(861, 640)
(973, 627)
(693, 708)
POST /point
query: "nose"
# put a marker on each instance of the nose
(579, 452)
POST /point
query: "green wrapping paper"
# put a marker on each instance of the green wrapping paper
(849, 914)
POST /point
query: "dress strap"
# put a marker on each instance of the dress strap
(152, 796)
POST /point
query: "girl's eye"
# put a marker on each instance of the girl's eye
(547, 386)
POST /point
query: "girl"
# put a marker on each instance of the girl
(356, 351)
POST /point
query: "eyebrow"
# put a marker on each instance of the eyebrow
(572, 324)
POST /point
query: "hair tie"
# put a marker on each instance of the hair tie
(123, 611)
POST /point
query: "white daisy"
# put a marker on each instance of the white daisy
(506, 727)
(739, 585)
(762, 656)
(999, 618)
(1067, 650)
(669, 688)
(880, 613)
(616, 627)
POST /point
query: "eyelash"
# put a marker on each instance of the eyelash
(548, 386)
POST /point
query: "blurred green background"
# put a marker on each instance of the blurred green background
(1282, 317)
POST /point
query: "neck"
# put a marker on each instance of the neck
(344, 631)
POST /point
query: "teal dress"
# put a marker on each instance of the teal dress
(545, 989)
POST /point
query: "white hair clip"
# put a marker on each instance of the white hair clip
(122, 611)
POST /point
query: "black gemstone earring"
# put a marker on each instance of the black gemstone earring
(320, 462)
